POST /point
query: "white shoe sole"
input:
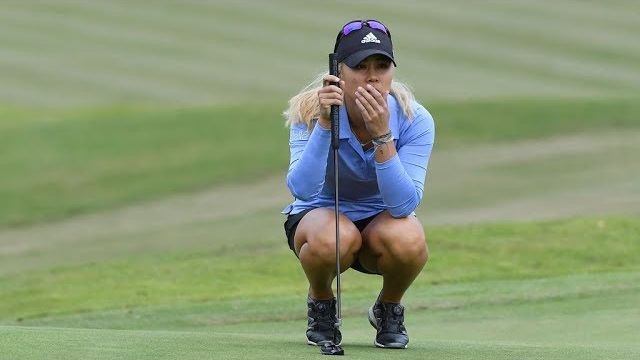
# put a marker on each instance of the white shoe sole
(393, 346)
(309, 342)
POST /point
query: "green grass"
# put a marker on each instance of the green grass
(79, 162)
(578, 317)
(588, 316)
(460, 124)
(142, 157)
(75, 53)
(530, 290)
(56, 164)
(217, 286)
(467, 253)
(164, 281)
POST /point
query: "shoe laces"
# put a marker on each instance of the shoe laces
(323, 317)
(392, 319)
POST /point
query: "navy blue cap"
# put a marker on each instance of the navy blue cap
(351, 49)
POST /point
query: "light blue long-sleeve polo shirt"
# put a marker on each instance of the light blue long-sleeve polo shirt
(366, 187)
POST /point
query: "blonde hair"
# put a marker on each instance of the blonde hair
(304, 107)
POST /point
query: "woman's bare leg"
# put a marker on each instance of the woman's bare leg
(395, 248)
(315, 244)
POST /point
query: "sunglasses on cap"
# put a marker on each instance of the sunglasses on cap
(359, 24)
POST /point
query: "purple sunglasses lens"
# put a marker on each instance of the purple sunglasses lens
(353, 26)
(376, 25)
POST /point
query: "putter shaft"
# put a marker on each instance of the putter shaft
(338, 302)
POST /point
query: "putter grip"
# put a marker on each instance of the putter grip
(335, 118)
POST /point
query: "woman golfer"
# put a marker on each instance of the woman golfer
(386, 138)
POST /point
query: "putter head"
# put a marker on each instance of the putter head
(329, 348)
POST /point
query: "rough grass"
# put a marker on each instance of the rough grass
(64, 163)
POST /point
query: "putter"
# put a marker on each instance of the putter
(329, 347)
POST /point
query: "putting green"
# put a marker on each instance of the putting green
(591, 316)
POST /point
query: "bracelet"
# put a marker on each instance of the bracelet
(382, 139)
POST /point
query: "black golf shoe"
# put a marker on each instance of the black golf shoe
(322, 322)
(388, 320)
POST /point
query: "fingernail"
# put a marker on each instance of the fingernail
(369, 86)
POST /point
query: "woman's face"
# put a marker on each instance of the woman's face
(376, 70)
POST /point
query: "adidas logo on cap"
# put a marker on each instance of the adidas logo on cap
(370, 38)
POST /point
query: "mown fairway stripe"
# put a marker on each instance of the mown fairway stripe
(235, 51)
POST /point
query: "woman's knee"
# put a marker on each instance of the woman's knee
(323, 244)
(320, 247)
(409, 248)
(405, 244)
(320, 242)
